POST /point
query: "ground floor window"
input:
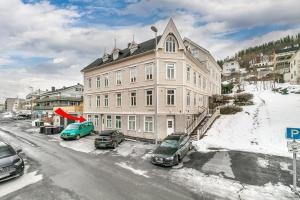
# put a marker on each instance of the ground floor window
(131, 122)
(108, 121)
(89, 118)
(96, 120)
(148, 124)
(118, 122)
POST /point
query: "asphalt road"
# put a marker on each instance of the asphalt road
(68, 174)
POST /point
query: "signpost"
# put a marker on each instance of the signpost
(294, 147)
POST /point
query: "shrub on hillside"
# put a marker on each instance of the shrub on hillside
(229, 110)
(219, 100)
(243, 97)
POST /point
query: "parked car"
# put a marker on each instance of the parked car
(77, 130)
(172, 149)
(109, 138)
(11, 164)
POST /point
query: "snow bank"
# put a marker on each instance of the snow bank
(133, 170)
(258, 128)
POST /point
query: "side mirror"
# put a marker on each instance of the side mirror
(19, 151)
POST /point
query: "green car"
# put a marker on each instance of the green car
(77, 130)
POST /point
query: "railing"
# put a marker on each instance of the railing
(191, 127)
(203, 129)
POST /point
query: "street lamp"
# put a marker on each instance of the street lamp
(154, 29)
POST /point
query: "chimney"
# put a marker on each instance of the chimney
(52, 88)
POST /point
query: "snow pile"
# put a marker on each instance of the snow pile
(262, 162)
(258, 128)
(134, 148)
(221, 188)
(133, 170)
(7, 115)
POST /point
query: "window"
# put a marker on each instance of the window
(188, 74)
(89, 118)
(171, 71)
(195, 100)
(148, 124)
(98, 101)
(204, 83)
(118, 122)
(199, 81)
(98, 82)
(170, 44)
(171, 97)
(149, 97)
(106, 80)
(90, 82)
(131, 122)
(106, 100)
(118, 77)
(149, 71)
(133, 98)
(133, 74)
(188, 98)
(119, 99)
(195, 78)
(96, 120)
(108, 121)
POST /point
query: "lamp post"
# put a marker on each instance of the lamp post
(154, 29)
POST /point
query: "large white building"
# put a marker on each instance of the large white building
(148, 90)
(295, 68)
(231, 67)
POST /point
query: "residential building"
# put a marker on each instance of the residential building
(231, 67)
(295, 68)
(282, 59)
(149, 92)
(13, 104)
(45, 103)
(2, 107)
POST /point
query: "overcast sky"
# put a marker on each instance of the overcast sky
(47, 43)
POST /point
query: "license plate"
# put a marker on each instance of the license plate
(3, 175)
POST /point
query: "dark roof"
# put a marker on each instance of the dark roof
(293, 48)
(61, 89)
(125, 53)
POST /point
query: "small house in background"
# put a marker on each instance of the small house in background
(230, 68)
(295, 68)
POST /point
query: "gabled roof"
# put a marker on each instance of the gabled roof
(143, 47)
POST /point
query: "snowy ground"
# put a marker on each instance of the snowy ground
(259, 128)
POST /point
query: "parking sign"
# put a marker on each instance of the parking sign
(293, 133)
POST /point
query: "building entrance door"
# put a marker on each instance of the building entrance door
(170, 125)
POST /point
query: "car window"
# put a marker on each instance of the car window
(6, 151)
(169, 143)
(72, 127)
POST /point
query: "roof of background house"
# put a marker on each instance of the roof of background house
(125, 53)
(61, 89)
(284, 50)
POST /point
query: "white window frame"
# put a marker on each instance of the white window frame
(195, 78)
(199, 81)
(107, 120)
(133, 74)
(188, 73)
(149, 71)
(149, 122)
(119, 99)
(168, 71)
(96, 120)
(98, 82)
(133, 103)
(148, 96)
(131, 121)
(188, 98)
(118, 122)
(106, 99)
(119, 77)
(106, 80)
(170, 44)
(167, 95)
(98, 101)
(90, 82)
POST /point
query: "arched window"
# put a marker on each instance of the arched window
(170, 44)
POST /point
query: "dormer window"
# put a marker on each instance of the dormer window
(170, 44)
(115, 54)
(105, 57)
(133, 46)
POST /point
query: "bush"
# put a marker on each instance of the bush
(228, 110)
(227, 88)
(243, 97)
(219, 100)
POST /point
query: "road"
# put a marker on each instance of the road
(68, 174)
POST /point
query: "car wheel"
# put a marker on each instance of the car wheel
(77, 137)
(176, 160)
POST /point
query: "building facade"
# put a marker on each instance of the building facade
(148, 90)
(295, 68)
(231, 67)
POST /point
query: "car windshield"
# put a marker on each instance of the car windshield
(72, 127)
(6, 151)
(169, 143)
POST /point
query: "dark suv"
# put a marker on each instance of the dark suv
(172, 149)
(109, 138)
(11, 164)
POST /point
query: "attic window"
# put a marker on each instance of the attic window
(133, 47)
(115, 54)
(105, 57)
(170, 44)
